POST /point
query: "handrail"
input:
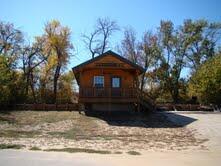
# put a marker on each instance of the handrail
(107, 92)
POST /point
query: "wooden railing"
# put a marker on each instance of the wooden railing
(108, 92)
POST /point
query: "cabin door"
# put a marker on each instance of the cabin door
(115, 86)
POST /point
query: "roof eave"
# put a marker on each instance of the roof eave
(141, 69)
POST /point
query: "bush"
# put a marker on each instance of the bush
(206, 82)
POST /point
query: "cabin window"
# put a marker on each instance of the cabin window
(115, 82)
(98, 81)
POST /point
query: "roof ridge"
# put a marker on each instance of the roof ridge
(110, 52)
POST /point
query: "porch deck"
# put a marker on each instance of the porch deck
(100, 95)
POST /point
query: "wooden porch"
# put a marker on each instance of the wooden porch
(101, 94)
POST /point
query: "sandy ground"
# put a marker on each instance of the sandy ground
(204, 125)
(27, 158)
(152, 132)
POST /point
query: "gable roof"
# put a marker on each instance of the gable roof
(109, 53)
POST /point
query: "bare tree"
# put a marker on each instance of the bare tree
(150, 54)
(129, 48)
(91, 43)
(129, 45)
(145, 52)
(97, 42)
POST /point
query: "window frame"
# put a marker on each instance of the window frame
(112, 81)
(94, 81)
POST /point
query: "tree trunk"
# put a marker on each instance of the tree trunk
(142, 82)
(175, 93)
(175, 96)
(56, 76)
(143, 75)
(32, 88)
(27, 84)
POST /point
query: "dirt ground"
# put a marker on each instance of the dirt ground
(206, 124)
(176, 158)
(168, 138)
(112, 132)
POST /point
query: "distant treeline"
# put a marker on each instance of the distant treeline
(37, 72)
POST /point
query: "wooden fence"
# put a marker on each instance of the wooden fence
(75, 107)
(42, 107)
(183, 107)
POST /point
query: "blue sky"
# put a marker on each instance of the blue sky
(80, 16)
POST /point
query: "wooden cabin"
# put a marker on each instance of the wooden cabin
(108, 83)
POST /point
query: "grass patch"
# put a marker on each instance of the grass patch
(6, 118)
(117, 152)
(70, 134)
(134, 153)
(34, 148)
(11, 146)
(83, 126)
(19, 134)
(78, 150)
(77, 134)
(36, 117)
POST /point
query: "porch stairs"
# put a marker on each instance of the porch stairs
(146, 103)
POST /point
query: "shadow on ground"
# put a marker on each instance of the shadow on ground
(143, 119)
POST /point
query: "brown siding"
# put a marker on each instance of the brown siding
(109, 59)
(127, 78)
(125, 71)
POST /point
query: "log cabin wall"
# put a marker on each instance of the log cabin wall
(115, 68)
(127, 79)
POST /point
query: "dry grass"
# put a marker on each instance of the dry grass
(117, 152)
(133, 153)
(19, 134)
(52, 129)
(11, 146)
(78, 150)
(35, 148)
(36, 117)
